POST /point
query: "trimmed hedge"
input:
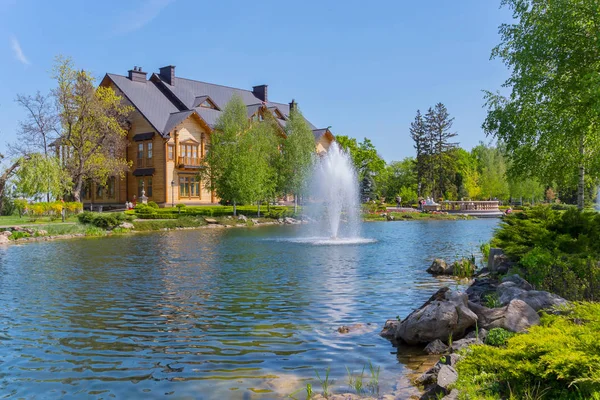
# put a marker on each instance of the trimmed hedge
(103, 220)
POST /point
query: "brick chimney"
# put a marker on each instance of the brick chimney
(260, 92)
(293, 105)
(137, 75)
(168, 74)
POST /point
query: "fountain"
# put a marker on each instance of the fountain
(334, 203)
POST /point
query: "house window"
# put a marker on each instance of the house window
(171, 152)
(140, 154)
(189, 186)
(207, 104)
(99, 191)
(189, 153)
(149, 154)
(111, 187)
(86, 190)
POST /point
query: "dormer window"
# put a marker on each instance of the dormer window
(208, 104)
(205, 102)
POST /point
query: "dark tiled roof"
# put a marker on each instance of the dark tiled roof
(165, 106)
(319, 132)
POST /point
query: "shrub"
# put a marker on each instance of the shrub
(557, 360)
(20, 205)
(105, 220)
(464, 268)
(36, 211)
(498, 337)
(557, 251)
(86, 217)
(152, 204)
(73, 207)
(18, 235)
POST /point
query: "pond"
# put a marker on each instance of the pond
(214, 313)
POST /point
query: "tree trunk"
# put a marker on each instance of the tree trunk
(234, 209)
(5, 175)
(258, 213)
(77, 189)
(581, 183)
(581, 187)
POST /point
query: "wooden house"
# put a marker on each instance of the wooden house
(169, 134)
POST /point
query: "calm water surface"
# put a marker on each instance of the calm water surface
(212, 314)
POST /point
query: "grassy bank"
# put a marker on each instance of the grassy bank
(412, 216)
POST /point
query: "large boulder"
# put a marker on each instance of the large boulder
(520, 316)
(540, 300)
(4, 239)
(445, 313)
(440, 267)
(517, 280)
(480, 288)
(517, 316)
(517, 289)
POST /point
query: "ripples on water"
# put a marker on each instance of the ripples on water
(241, 314)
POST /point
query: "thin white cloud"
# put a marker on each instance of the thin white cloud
(136, 19)
(19, 55)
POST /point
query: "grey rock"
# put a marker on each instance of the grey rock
(4, 239)
(452, 359)
(254, 221)
(242, 217)
(462, 343)
(480, 288)
(439, 267)
(540, 300)
(517, 280)
(290, 221)
(389, 329)
(446, 377)
(42, 232)
(508, 291)
(126, 225)
(520, 316)
(6, 233)
(488, 318)
(473, 334)
(211, 221)
(436, 347)
(494, 252)
(446, 312)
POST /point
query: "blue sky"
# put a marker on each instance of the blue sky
(362, 68)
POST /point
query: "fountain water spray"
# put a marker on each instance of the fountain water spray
(334, 195)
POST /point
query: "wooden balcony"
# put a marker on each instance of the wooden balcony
(189, 162)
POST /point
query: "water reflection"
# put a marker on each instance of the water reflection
(211, 313)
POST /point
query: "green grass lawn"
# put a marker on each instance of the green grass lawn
(12, 220)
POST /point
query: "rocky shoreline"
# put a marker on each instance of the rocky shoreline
(452, 320)
(129, 228)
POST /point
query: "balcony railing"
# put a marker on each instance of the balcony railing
(189, 162)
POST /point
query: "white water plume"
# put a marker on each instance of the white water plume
(334, 196)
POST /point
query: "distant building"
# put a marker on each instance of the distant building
(170, 132)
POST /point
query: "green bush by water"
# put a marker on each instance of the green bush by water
(556, 250)
(560, 359)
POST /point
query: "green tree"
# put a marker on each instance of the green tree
(550, 120)
(368, 163)
(467, 175)
(298, 151)
(39, 174)
(92, 127)
(438, 125)
(491, 166)
(400, 175)
(423, 147)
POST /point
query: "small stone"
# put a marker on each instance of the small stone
(242, 218)
(436, 347)
(126, 225)
(389, 329)
(438, 267)
(42, 232)
(6, 233)
(462, 343)
(4, 239)
(446, 377)
(254, 221)
(453, 395)
(211, 221)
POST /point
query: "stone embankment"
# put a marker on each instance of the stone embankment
(452, 320)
